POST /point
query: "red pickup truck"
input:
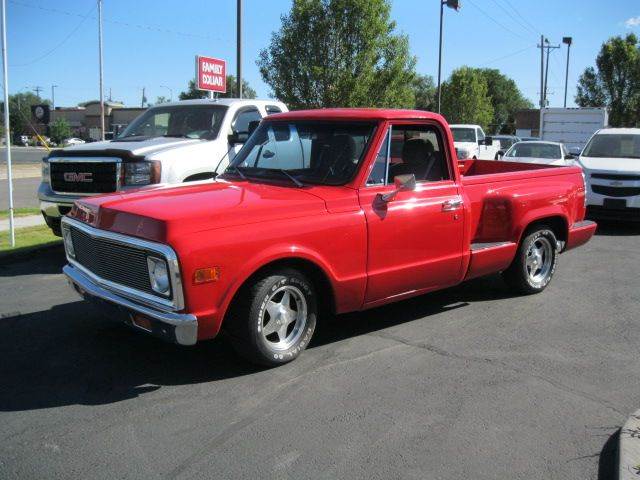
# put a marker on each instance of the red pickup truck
(331, 211)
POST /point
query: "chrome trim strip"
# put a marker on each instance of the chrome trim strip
(583, 223)
(483, 246)
(116, 160)
(155, 301)
(186, 324)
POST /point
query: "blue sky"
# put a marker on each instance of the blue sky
(153, 42)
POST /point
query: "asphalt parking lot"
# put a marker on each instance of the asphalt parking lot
(471, 382)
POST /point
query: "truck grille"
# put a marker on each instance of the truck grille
(615, 191)
(615, 176)
(84, 177)
(112, 261)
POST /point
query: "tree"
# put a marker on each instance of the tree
(20, 111)
(615, 82)
(424, 91)
(506, 100)
(232, 90)
(59, 130)
(345, 53)
(161, 99)
(465, 98)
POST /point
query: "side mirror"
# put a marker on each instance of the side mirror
(236, 138)
(569, 157)
(402, 183)
(488, 141)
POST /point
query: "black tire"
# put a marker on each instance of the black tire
(519, 276)
(250, 318)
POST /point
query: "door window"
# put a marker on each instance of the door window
(414, 149)
(243, 118)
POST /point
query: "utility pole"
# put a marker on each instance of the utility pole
(53, 97)
(567, 41)
(143, 98)
(549, 47)
(7, 129)
(239, 48)
(455, 4)
(541, 47)
(37, 90)
(110, 94)
(101, 76)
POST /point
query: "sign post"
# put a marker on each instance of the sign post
(211, 74)
(7, 129)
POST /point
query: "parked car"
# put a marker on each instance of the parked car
(549, 153)
(471, 142)
(24, 140)
(505, 143)
(169, 143)
(611, 164)
(73, 141)
(529, 139)
(312, 217)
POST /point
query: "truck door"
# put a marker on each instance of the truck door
(415, 239)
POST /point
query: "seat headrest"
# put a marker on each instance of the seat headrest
(343, 147)
(416, 150)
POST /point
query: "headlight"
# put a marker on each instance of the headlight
(45, 171)
(159, 275)
(68, 242)
(141, 173)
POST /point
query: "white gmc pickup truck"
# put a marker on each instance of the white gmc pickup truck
(169, 143)
(471, 142)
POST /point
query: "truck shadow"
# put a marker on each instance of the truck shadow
(608, 228)
(70, 354)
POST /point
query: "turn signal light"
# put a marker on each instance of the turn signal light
(206, 275)
(142, 322)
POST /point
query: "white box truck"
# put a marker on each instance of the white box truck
(572, 126)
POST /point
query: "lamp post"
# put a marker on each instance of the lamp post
(568, 41)
(455, 4)
(170, 92)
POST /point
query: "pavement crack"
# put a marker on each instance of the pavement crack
(550, 381)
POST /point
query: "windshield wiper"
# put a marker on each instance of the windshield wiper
(176, 135)
(298, 183)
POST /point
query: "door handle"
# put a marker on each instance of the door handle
(450, 205)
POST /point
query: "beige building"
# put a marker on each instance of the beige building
(85, 118)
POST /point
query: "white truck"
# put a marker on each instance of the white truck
(169, 143)
(571, 126)
(611, 166)
(471, 142)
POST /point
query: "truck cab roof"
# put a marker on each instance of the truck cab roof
(220, 101)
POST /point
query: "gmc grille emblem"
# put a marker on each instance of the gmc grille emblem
(86, 177)
(615, 183)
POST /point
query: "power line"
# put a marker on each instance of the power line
(154, 28)
(497, 22)
(514, 18)
(535, 29)
(509, 55)
(64, 40)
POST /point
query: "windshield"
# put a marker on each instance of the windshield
(613, 146)
(535, 150)
(464, 134)
(185, 121)
(321, 153)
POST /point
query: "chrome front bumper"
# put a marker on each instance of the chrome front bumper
(181, 328)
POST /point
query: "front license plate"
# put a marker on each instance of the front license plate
(614, 203)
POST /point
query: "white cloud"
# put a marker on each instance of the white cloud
(632, 22)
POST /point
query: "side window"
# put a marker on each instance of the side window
(480, 135)
(243, 118)
(271, 109)
(421, 153)
(379, 172)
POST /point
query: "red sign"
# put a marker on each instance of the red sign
(211, 74)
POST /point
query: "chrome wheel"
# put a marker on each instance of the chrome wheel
(283, 317)
(539, 260)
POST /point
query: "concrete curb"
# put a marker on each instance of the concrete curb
(629, 448)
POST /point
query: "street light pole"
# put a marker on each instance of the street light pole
(53, 97)
(7, 130)
(100, 60)
(455, 4)
(567, 41)
(239, 48)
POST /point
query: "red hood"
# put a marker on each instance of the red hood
(160, 213)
